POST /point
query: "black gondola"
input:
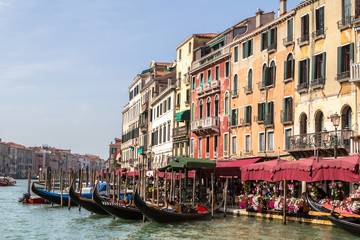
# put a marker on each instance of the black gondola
(117, 210)
(165, 216)
(88, 204)
(349, 224)
(52, 197)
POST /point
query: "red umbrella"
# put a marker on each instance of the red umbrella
(260, 171)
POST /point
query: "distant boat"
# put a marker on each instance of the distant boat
(7, 181)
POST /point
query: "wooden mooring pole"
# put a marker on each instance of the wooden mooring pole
(284, 208)
(225, 200)
(29, 179)
(212, 195)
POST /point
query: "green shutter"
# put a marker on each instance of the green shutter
(323, 66)
(259, 111)
(236, 117)
(266, 119)
(307, 71)
(262, 42)
(275, 37)
(299, 73)
(274, 74)
(251, 47)
(352, 51)
(284, 109)
(292, 67)
(290, 110)
(245, 49)
(290, 29)
(267, 77)
(339, 63)
(269, 39)
(285, 70)
(313, 68)
(272, 112)
(245, 115)
(231, 119)
(249, 115)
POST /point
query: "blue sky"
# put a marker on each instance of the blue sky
(65, 65)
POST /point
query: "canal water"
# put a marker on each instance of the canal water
(26, 221)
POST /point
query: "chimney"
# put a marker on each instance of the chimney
(258, 17)
(282, 7)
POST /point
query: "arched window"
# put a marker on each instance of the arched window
(249, 81)
(346, 117)
(193, 83)
(319, 126)
(216, 107)
(272, 73)
(263, 76)
(201, 109)
(289, 67)
(192, 111)
(235, 85)
(208, 107)
(226, 103)
(303, 124)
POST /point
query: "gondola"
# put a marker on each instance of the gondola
(166, 216)
(117, 210)
(88, 204)
(52, 197)
(349, 224)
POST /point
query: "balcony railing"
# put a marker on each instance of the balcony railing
(318, 83)
(313, 141)
(248, 89)
(355, 72)
(288, 41)
(186, 80)
(215, 84)
(234, 93)
(143, 127)
(319, 34)
(272, 47)
(302, 87)
(213, 56)
(345, 23)
(303, 40)
(343, 77)
(178, 83)
(181, 132)
(199, 90)
(207, 87)
(205, 125)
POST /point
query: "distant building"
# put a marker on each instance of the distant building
(114, 148)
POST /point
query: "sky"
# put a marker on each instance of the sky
(65, 65)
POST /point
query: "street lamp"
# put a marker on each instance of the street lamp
(335, 119)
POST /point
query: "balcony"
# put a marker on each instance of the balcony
(345, 23)
(303, 146)
(302, 88)
(303, 40)
(127, 144)
(343, 77)
(215, 84)
(355, 72)
(288, 41)
(272, 48)
(205, 126)
(319, 34)
(186, 80)
(318, 83)
(212, 57)
(178, 84)
(145, 106)
(181, 132)
(207, 87)
(248, 89)
(143, 127)
(199, 90)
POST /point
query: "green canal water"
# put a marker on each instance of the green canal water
(22, 221)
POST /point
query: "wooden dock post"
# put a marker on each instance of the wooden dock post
(193, 190)
(126, 180)
(70, 182)
(29, 179)
(225, 200)
(212, 195)
(284, 208)
(118, 192)
(157, 189)
(113, 183)
(81, 180)
(61, 188)
(165, 197)
(107, 183)
(87, 176)
(180, 187)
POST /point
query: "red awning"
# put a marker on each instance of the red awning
(191, 174)
(119, 171)
(263, 171)
(229, 168)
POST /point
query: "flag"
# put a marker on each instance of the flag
(117, 156)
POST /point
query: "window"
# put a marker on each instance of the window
(200, 147)
(157, 111)
(161, 109)
(270, 141)
(346, 11)
(208, 107)
(165, 105)
(216, 143)
(164, 137)
(235, 85)
(290, 27)
(233, 145)
(287, 135)
(201, 109)
(272, 37)
(269, 75)
(345, 56)
(319, 21)
(304, 28)
(261, 112)
(169, 131)
(287, 112)
(263, 75)
(187, 96)
(234, 117)
(192, 146)
(318, 69)
(209, 76)
(217, 72)
(249, 81)
(227, 69)
(193, 83)
(247, 143)
(261, 142)
(236, 54)
(207, 144)
(189, 47)
(226, 103)
(303, 74)
(247, 115)
(160, 134)
(247, 48)
(192, 111)
(269, 113)
(289, 67)
(201, 79)
(169, 103)
(178, 96)
(264, 44)
(216, 107)
(226, 143)
(179, 54)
